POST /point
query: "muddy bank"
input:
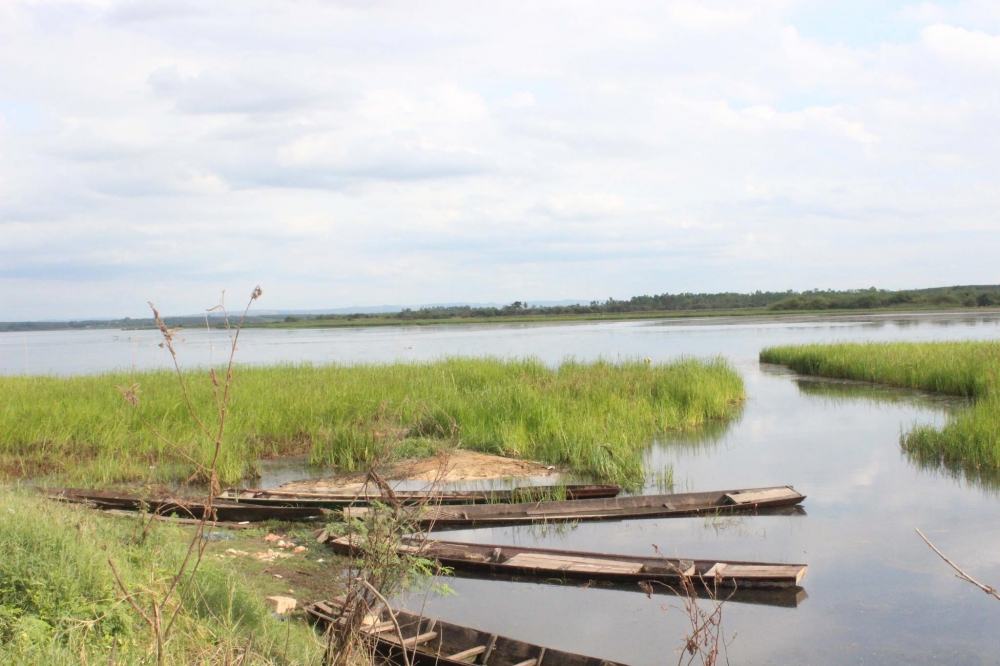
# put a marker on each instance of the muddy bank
(453, 467)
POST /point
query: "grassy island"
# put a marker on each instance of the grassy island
(594, 418)
(971, 439)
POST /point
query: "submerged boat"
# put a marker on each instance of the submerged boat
(561, 564)
(782, 597)
(185, 508)
(430, 642)
(745, 500)
(340, 499)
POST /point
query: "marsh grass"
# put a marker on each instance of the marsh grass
(59, 603)
(970, 440)
(595, 418)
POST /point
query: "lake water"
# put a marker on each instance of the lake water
(876, 593)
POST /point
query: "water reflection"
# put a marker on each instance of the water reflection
(841, 391)
(985, 479)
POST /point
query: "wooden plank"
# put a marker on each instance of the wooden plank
(765, 494)
(716, 570)
(572, 563)
(465, 654)
(764, 572)
(527, 662)
(412, 640)
(379, 628)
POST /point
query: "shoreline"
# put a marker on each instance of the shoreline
(678, 317)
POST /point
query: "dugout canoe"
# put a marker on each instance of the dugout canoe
(433, 642)
(338, 500)
(677, 505)
(781, 597)
(186, 508)
(563, 564)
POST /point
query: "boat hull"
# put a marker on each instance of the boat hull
(437, 640)
(334, 500)
(548, 564)
(677, 505)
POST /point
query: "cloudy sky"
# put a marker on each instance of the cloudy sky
(346, 153)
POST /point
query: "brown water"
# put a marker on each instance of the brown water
(876, 593)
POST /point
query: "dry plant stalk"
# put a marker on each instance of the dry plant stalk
(959, 572)
(159, 610)
(380, 568)
(704, 639)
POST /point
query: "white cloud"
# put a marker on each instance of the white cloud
(352, 152)
(966, 47)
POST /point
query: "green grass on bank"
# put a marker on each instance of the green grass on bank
(59, 603)
(971, 439)
(596, 418)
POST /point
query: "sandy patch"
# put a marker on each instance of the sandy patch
(453, 466)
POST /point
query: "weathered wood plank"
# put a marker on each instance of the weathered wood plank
(465, 654)
(575, 563)
(766, 494)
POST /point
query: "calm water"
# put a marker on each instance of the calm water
(876, 594)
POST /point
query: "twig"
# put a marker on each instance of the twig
(392, 616)
(988, 589)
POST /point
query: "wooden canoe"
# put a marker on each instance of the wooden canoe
(782, 597)
(185, 508)
(431, 642)
(338, 500)
(562, 564)
(745, 500)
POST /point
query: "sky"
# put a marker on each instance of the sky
(360, 153)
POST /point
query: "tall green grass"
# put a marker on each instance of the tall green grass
(971, 439)
(595, 418)
(59, 603)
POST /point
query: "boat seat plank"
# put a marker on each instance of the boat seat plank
(412, 641)
(765, 494)
(527, 662)
(379, 628)
(572, 563)
(759, 571)
(466, 654)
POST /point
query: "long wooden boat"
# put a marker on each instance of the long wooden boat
(337, 500)
(561, 564)
(745, 500)
(167, 506)
(782, 597)
(431, 642)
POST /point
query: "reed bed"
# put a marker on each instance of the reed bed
(60, 603)
(595, 418)
(970, 440)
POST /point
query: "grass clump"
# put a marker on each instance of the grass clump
(970, 441)
(595, 418)
(59, 603)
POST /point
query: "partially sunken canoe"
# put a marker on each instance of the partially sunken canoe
(548, 564)
(745, 500)
(430, 642)
(219, 510)
(337, 500)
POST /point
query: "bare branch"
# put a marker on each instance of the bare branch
(988, 589)
(392, 616)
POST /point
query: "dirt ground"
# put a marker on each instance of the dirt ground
(452, 466)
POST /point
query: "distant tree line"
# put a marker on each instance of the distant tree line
(773, 301)
(850, 299)
(862, 299)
